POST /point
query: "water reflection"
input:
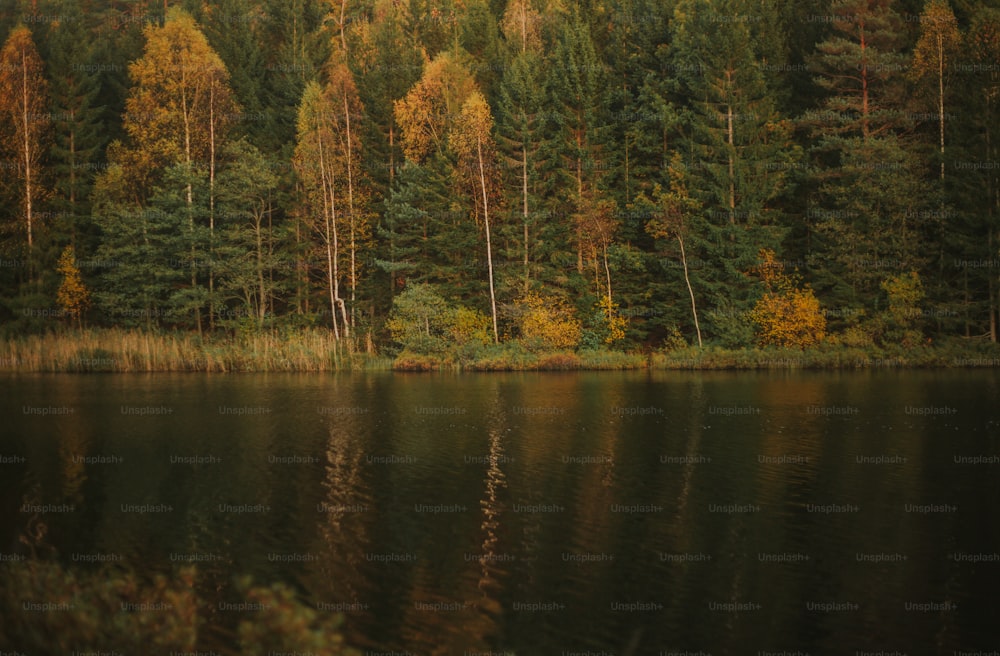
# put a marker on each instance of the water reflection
(542, 513)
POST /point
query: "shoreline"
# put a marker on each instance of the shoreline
(115, 350)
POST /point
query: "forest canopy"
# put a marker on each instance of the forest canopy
(605, 174)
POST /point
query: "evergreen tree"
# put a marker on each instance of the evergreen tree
(577, 96)
(78, 127)
(234, 29)
(296, 46)
(248, 253)
(521, 122)
(387, 62)
(863, 225)
(737, 147)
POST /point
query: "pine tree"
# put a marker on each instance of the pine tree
(149, 247)
(736, 147)
(387, 62)
(520, 123)
(78, 126)
(234, 29)
(974, 189)
(577, 95)
(296, 45)
(867, 178)
(248, 258)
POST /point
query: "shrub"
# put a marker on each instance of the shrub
(786, 315)
(612, 323)
(467, 326)
(415, 362)
(546, 323)
(419, 321)
(905, 293)
(96, 615)
(286, 626)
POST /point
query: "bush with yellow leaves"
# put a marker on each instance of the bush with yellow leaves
(546, 323)
(786, 315)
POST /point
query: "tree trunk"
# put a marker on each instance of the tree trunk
(186, 112)
(261, 288)
(730, 139)
(489, 246)
(350, 204)
(940, 40)
(687, 280)
(28, 191)
(343, 11)
(211, 204)
(864, 83)
(329, 236)
(524, 196)
(607, 271)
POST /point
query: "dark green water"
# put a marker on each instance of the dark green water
(635, 513)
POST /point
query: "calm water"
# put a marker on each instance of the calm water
(637, 513)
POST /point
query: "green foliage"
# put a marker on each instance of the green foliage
(731, 326)
(287, 625)
(905, 293)
(625, 148)
(112, 610)
(419, 321)
(97, 610)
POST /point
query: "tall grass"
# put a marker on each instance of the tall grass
(955, 353)
(116, 350)
(314, 350)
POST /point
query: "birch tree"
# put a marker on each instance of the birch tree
(25, 123)
(937, 49)
(472, 140)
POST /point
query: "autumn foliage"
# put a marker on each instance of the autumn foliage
(786, 315)
(73, 296)
(546, 323)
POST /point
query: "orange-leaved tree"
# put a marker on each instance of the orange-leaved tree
(427, 111)
(24, 120)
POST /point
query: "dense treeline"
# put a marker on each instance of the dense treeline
(618, 173)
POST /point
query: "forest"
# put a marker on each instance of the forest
(421, 176)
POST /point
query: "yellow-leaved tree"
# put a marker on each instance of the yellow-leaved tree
(472, 140)
(327, 162)
(787, 314)
(179, 113)
(427, 111)
(73, 296)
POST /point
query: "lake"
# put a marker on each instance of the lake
(540, 513)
